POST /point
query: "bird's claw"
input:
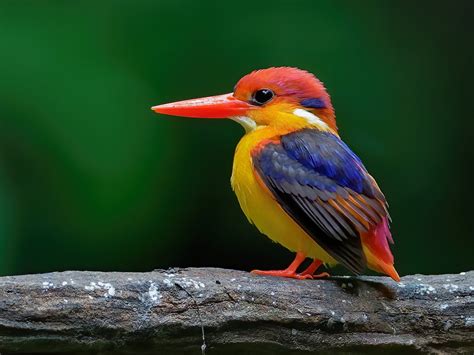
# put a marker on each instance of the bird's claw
(288, 274)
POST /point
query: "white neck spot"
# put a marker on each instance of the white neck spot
(311, 118)
(246, 122)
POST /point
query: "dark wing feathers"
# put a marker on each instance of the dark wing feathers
(325, 188)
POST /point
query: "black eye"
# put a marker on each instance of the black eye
(262, 96)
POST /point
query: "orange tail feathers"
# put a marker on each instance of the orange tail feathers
(377, 251)
(389, 270)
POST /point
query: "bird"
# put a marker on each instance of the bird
(294, 177)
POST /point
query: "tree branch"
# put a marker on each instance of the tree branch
(166, 310)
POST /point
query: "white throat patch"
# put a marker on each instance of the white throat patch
(311, 118)
(246, 122)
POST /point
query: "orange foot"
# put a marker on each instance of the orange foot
(311, 269)
(290, 271)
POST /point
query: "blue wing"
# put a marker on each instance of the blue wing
(325, 188)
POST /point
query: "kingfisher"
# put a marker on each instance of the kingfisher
(295, 179)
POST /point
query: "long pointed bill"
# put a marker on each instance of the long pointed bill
(221, 106)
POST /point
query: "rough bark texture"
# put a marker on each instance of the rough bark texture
(163, 311)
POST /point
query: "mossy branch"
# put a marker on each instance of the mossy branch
(180, 310)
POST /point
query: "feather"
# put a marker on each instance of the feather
(325, 188)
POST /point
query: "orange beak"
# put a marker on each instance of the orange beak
(221, 106)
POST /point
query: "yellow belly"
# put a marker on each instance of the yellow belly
(262, 209)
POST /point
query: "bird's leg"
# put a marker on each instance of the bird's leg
(290, 271)
(311, 269)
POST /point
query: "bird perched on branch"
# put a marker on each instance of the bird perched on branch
(294, 177)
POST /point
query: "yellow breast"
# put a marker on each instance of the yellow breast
(259, 205)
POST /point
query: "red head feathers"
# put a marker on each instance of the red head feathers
(289, 85)
(259, 90)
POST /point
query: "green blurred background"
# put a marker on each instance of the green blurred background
(90, 178)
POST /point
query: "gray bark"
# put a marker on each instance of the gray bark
(165, 311)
